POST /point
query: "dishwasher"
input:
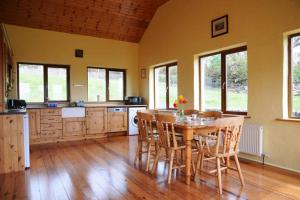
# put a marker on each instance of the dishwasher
(117, 119)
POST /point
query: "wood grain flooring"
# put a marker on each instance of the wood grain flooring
(103, 169)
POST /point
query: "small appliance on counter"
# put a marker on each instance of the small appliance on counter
(16, 104)
(79, 103)
(51, 105)
(134, 100)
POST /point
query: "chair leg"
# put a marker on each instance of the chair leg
(137, 154)
(227, 163)
(198, 164)
(170, 166)
(167, 153)
(156, 160)
(148, 155)
(237, 163)
(219, 175)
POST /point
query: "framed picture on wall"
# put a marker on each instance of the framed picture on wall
(219, 26)
(143, 73)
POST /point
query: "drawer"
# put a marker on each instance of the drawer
(51, 119)
(51, 111)
(51, 133)
(51, 126)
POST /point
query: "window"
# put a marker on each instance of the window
(294, 75)
(39, 83)
(165, 86)
(106, 84)
(224, 81)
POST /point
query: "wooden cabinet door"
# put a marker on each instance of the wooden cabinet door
(34, 116)
(11, 143)
(96, 120)
(74, 127)
(117, 121)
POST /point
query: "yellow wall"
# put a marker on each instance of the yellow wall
(181, 29)
(41, 46)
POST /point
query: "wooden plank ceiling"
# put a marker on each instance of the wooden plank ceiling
(124, 20)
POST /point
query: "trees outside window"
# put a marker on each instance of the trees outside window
(224, 81)
(294, 75)
(165, 86)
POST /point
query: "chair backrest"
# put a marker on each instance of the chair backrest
(165, 128)
(151, 111)
(190, 111)
(230, 128)
(145, 121)
(214, 114)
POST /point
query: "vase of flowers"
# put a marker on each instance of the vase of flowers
(179, 103)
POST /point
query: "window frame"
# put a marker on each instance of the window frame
(107, 70)
(45, 78)
(290, 85)
(223, 78)
(168, 65)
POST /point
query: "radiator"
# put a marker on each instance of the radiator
(251, 141)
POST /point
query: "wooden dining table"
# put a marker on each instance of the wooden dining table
(189, 129)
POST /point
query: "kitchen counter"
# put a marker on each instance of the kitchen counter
(86, 106)
(13, 112)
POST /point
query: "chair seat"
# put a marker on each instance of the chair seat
(211, 151)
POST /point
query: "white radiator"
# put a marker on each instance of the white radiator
(252, 140)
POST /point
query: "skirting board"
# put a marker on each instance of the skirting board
(273, 165)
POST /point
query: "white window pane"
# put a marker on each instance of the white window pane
(237, 82)
(295, 76)
(173, 91)
(96, 84)
(116, 85)
(57, 84)
(31, 82)
(211, 82)
(160, 87)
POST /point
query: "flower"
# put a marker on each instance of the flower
(180, 101)
(175, 104)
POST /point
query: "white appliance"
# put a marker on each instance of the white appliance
(26, 141)
(132, 120)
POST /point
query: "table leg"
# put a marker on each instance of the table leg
(188, 136)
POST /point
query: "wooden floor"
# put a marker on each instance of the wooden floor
(103, 169)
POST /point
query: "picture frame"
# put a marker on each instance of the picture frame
(219, 26)
(143, 73)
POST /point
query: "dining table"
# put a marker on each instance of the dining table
(189, 129)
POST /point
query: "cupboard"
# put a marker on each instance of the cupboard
(47, 125)
(96, 121)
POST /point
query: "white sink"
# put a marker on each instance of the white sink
(73, 112)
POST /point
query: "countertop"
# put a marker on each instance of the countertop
(86, 106)
(13, 112)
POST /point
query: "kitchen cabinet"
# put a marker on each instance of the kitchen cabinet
(51, 123)
(117, 119)
(96, 121)
(34, 116)
(11, 143)
(74, 127)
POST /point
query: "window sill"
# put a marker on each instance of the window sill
(232, 115)
(288, 119)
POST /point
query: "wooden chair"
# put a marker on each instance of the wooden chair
(208, 137)
(226, 145)
(212, 114)
(191, 111)
(167, 142)
(146, 137)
